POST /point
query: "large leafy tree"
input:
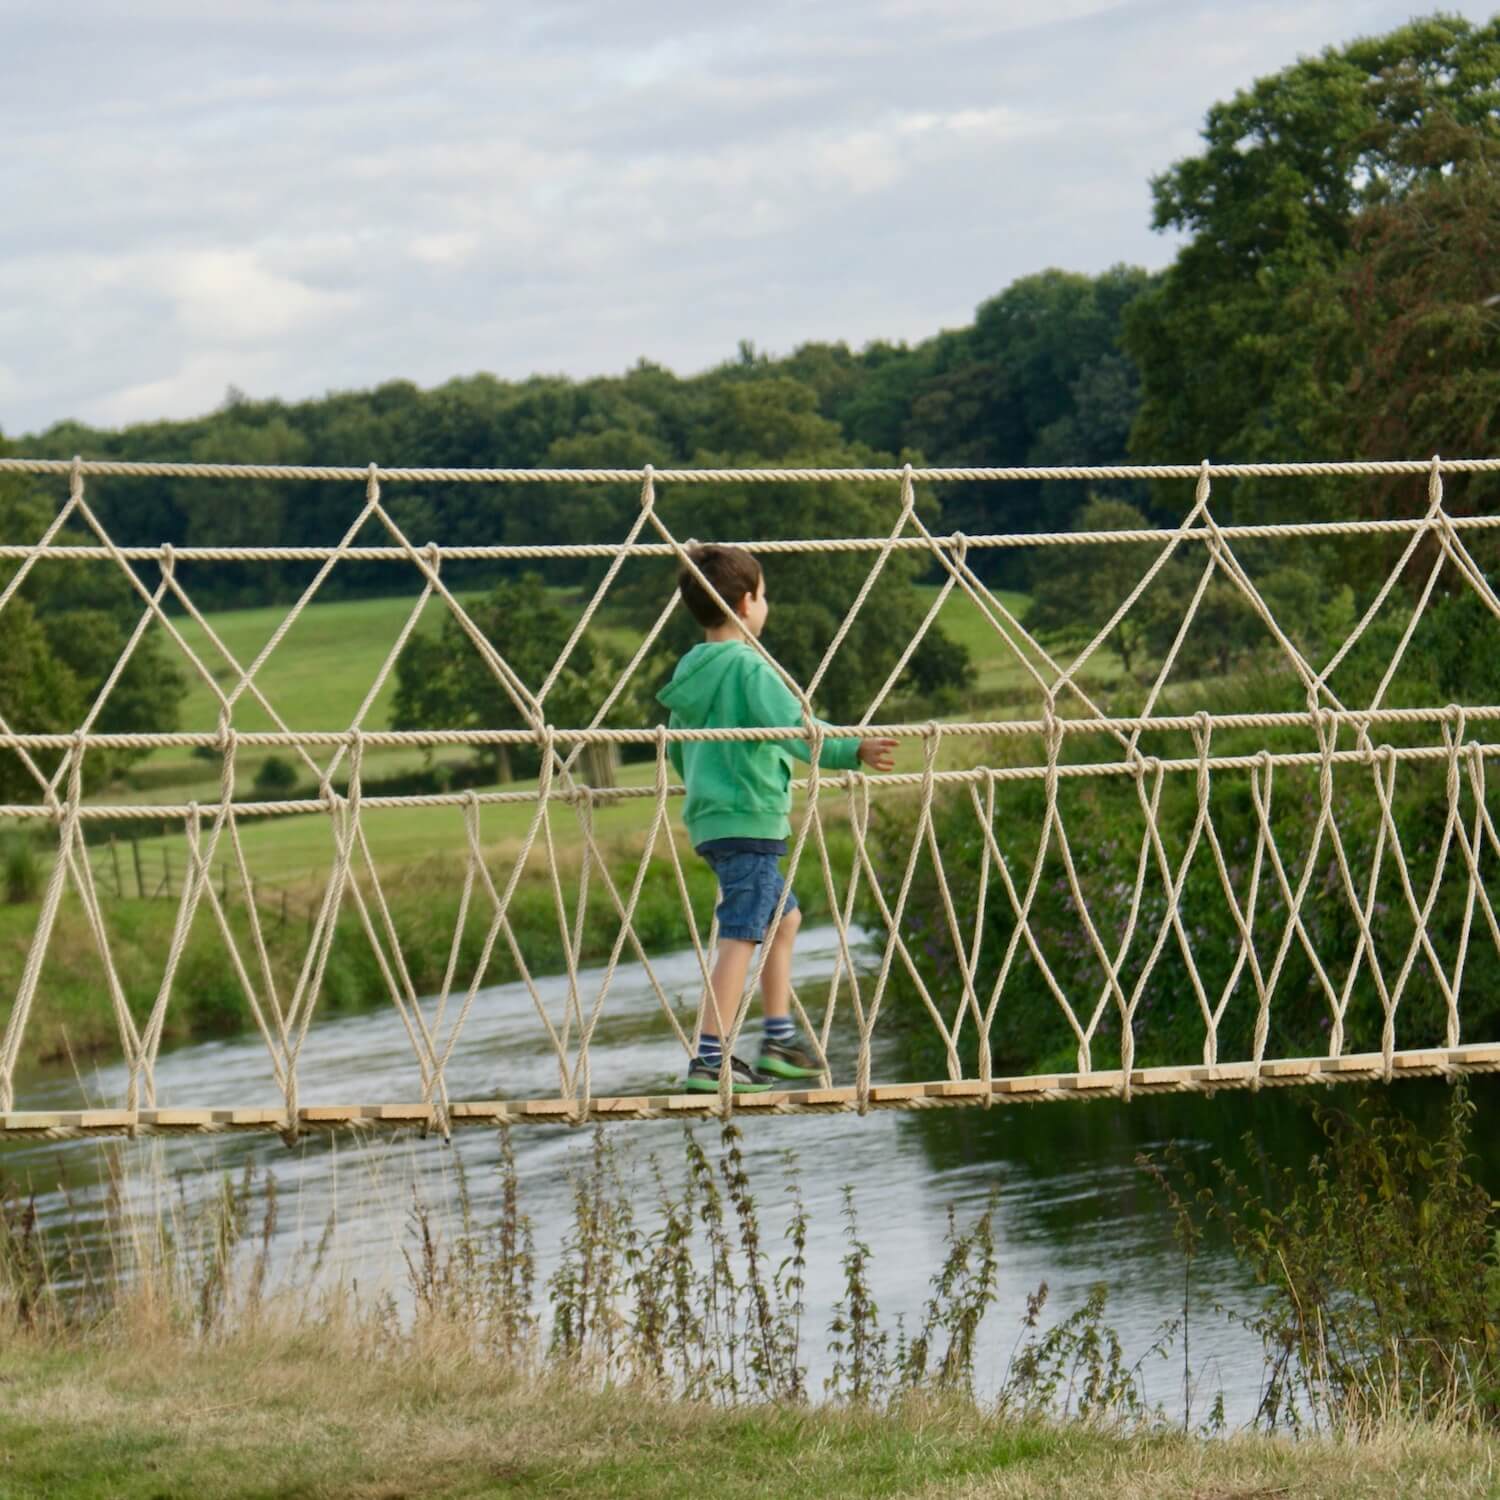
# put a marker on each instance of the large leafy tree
(64, 631)
(1408, 329)
(1078, 588)
(1272, 202)
(443, 682)
(1039, 378)
(775, 421)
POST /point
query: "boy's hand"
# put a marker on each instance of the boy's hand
(878, 755)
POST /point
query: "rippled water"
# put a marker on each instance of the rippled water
(1073, 1209)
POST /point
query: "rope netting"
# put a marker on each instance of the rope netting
(970, 770)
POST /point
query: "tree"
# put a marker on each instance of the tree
(275, 779)
(1039, 378)
(1077, 588)
(775, 422)
(64, 632)
(442, 681)
(1408, 330)
(1227, 631)
(1270, 202)
(38, 695)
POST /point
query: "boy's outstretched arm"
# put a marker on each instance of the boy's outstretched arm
(774, 706)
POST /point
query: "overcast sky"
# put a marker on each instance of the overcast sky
(325, 194)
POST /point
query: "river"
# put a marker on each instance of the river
(1073, 1209)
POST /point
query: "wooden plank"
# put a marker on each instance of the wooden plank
(32, 1120)
(421, 1114)
(1352, 1062)
(963, 1088)
(1145, 1078)
(479, 1111)
(1291, 1067)
(623, 1105)
(1103, 1078)
(752, 1102)
(815, 1097)
(180, 1119)
(691, 1103)
(1432, 1059)
(1028, 1083)
(272, 1119)
(892, 1093)
(1476, 1053)
(544, 1108)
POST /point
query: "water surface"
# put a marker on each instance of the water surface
(1073, 1208)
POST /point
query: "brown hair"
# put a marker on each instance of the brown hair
(733, 571)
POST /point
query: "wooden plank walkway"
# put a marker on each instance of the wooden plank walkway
(22, 1125)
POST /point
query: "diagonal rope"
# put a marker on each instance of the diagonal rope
(1126, 948)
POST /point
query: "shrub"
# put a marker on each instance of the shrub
(1106, 830)
(1380, 1262)
(23, 874)
(275, 779)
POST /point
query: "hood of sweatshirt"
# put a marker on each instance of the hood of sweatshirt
(699, 679)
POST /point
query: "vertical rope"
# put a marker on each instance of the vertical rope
(1121, 942)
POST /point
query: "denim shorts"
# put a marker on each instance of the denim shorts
(750, 886)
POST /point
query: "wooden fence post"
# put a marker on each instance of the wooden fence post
(140, 879)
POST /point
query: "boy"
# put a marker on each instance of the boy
(738, 801)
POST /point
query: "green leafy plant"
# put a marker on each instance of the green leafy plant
(1380, 1263)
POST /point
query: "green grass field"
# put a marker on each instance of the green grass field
(317, 678)
(259, 1417)
(297, 850)
(319, 675)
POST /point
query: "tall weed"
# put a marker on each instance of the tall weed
(1381, 1263)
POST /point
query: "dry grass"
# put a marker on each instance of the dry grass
(294, 1409)
(184, 1364)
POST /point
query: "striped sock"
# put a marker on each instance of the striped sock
(780, 1029)
(710, 1049)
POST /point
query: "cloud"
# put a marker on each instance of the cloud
(451, 249)
(194, 383)
(230, 294)
(298, 198)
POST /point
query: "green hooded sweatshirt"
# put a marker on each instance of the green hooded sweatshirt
(738, 789)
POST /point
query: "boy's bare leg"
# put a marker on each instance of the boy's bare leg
(731, 969)
(776, 977)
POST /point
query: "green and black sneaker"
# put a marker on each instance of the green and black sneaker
(790, 1059)
(703, 1078)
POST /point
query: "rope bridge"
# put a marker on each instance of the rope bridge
(1267, 910)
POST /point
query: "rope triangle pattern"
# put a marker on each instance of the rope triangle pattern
(1265, 895)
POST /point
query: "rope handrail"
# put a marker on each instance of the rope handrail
(1357, 718)
(842, 781)
(122, 468)
(780, 546)
(1266, 891)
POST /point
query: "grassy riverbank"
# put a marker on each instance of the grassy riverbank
(156, 1342)
(259, 1416)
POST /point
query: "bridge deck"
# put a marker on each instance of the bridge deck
(1024, 1089)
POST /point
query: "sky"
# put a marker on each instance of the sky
(319, 195)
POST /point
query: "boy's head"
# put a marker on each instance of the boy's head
(737, 577)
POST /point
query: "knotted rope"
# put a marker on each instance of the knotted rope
(1127, 951)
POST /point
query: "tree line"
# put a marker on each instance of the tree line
(1336, 296)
